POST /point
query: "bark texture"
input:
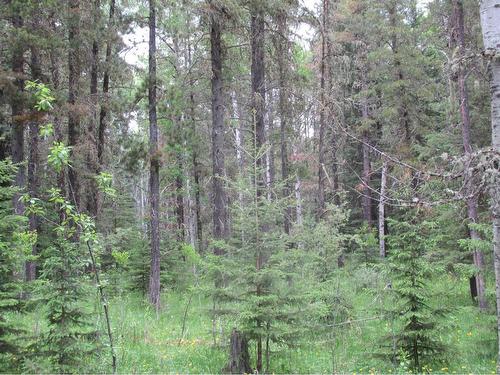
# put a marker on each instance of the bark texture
(381, 210)
(239, 359)
(103, 114)
(472, 201)
(258, 110)
(33, 161)
(490, 24)
(74, 73)
(154, 167)
(322, 117)
(282, 51)
(220, 219)
(17, 106)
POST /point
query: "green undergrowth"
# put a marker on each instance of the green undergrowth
(147, 342)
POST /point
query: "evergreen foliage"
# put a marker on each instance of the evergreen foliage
(415, 318)
(12, 243)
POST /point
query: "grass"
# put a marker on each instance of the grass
(151, 343)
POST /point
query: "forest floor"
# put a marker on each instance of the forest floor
(151, 343)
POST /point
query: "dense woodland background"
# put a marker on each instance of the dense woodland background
(272, 186)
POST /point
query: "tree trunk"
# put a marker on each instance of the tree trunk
(322, 118)
(58, 129)
(154, 169)
(239, 359)
(381, 210)
(105, 87)
(74, 72)
(179, 196)
(258, 110)
(198, 229)
(258, 93)
(220, 219)
(17, 105)
(33, 160)
(366, 201)
(282, 51)
(477, 255)
(490, 23)
(93, 195)
(196, 177)
(269, 124)
(404, 121)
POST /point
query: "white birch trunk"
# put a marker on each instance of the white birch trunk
(490, 24)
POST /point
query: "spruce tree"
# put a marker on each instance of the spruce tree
(415, 318)
(10, 224)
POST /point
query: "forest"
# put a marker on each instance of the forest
(250, 186)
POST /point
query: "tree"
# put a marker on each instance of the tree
(10, 348)
(415, 318)
(154, 168)
(282, 50)
(74, 74)
(472, 199)
(257, 110)
(490, 24)
(220, 219)
(17, 63)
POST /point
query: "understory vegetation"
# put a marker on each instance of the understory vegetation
(250, 186)
(146, 343)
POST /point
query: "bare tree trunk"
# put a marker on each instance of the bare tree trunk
(381, 210)
(490, 23)
(258, 110)
(93, 195)
(154, 176)
(33, 157)
(220, 219)
(17, 106)
(179, 196)
(74, 73)
(366, 201)
(105, 87)
(477, 255)
(282, 51)
(58, 131)
(239, 359)
(322, 118)
(269, 124)
(404, 121)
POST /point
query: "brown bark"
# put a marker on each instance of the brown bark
(196, 177)
(282, 51)
(220, 218)
(322, 117)
(179, 197)
(239, 359)
(17, 106)
(472, 201)
(103, 115)
(154, 172)
(59, 137)
(198, 229)
(258, 110)
(403, 117)
(33, 159)
(74, 73)
(258, 93)
(93, 195)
